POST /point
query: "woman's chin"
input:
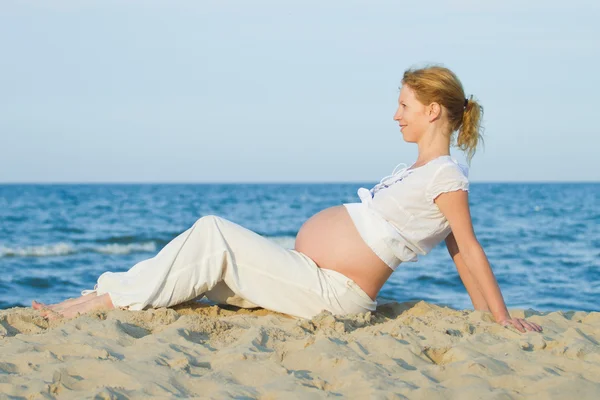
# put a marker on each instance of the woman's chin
(408, 139)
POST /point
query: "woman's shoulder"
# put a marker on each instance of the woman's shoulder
(448, 166)
(449, 176)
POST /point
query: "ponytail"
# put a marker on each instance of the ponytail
(469, 132)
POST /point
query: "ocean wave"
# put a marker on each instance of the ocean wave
(66, 249)
(126, 248)
(49, 250)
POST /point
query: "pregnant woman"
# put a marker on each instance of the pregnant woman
(343, 255)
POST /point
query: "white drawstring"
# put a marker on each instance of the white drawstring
(387, 181)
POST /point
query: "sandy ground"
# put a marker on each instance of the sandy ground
(404, 350)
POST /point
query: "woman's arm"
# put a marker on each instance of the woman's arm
(455, 207)
(466, 277)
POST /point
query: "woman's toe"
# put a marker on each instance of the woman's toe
(37, 305)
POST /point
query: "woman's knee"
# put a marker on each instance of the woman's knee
(207, 220)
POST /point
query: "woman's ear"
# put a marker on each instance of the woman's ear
(434, 111)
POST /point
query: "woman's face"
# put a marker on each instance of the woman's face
(411, 115)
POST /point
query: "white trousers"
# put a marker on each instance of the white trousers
(230, 264)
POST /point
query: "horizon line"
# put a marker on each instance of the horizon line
(257, 182)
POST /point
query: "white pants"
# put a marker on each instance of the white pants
(230, 264)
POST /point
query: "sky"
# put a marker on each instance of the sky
(287, 91)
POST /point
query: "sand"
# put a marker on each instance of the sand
(403, 350)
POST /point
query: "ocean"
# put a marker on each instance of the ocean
(542, 239)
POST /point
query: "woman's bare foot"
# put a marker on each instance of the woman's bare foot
(62, 305)
(97, 303)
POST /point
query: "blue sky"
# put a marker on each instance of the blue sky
(272, 91)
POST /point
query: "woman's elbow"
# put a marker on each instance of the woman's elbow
(471, 249)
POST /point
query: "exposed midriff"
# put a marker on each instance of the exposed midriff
(332, 241)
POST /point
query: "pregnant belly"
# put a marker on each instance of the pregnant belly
(331, 240)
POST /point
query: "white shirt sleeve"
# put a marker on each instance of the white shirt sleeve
(447, 179)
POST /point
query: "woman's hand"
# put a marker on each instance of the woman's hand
(521, 324)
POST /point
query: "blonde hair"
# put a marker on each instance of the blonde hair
(439, 84)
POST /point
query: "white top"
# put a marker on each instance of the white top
(415, 225)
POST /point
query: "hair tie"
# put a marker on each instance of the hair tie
(466, 102)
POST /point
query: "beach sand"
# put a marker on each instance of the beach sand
(403, 350)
